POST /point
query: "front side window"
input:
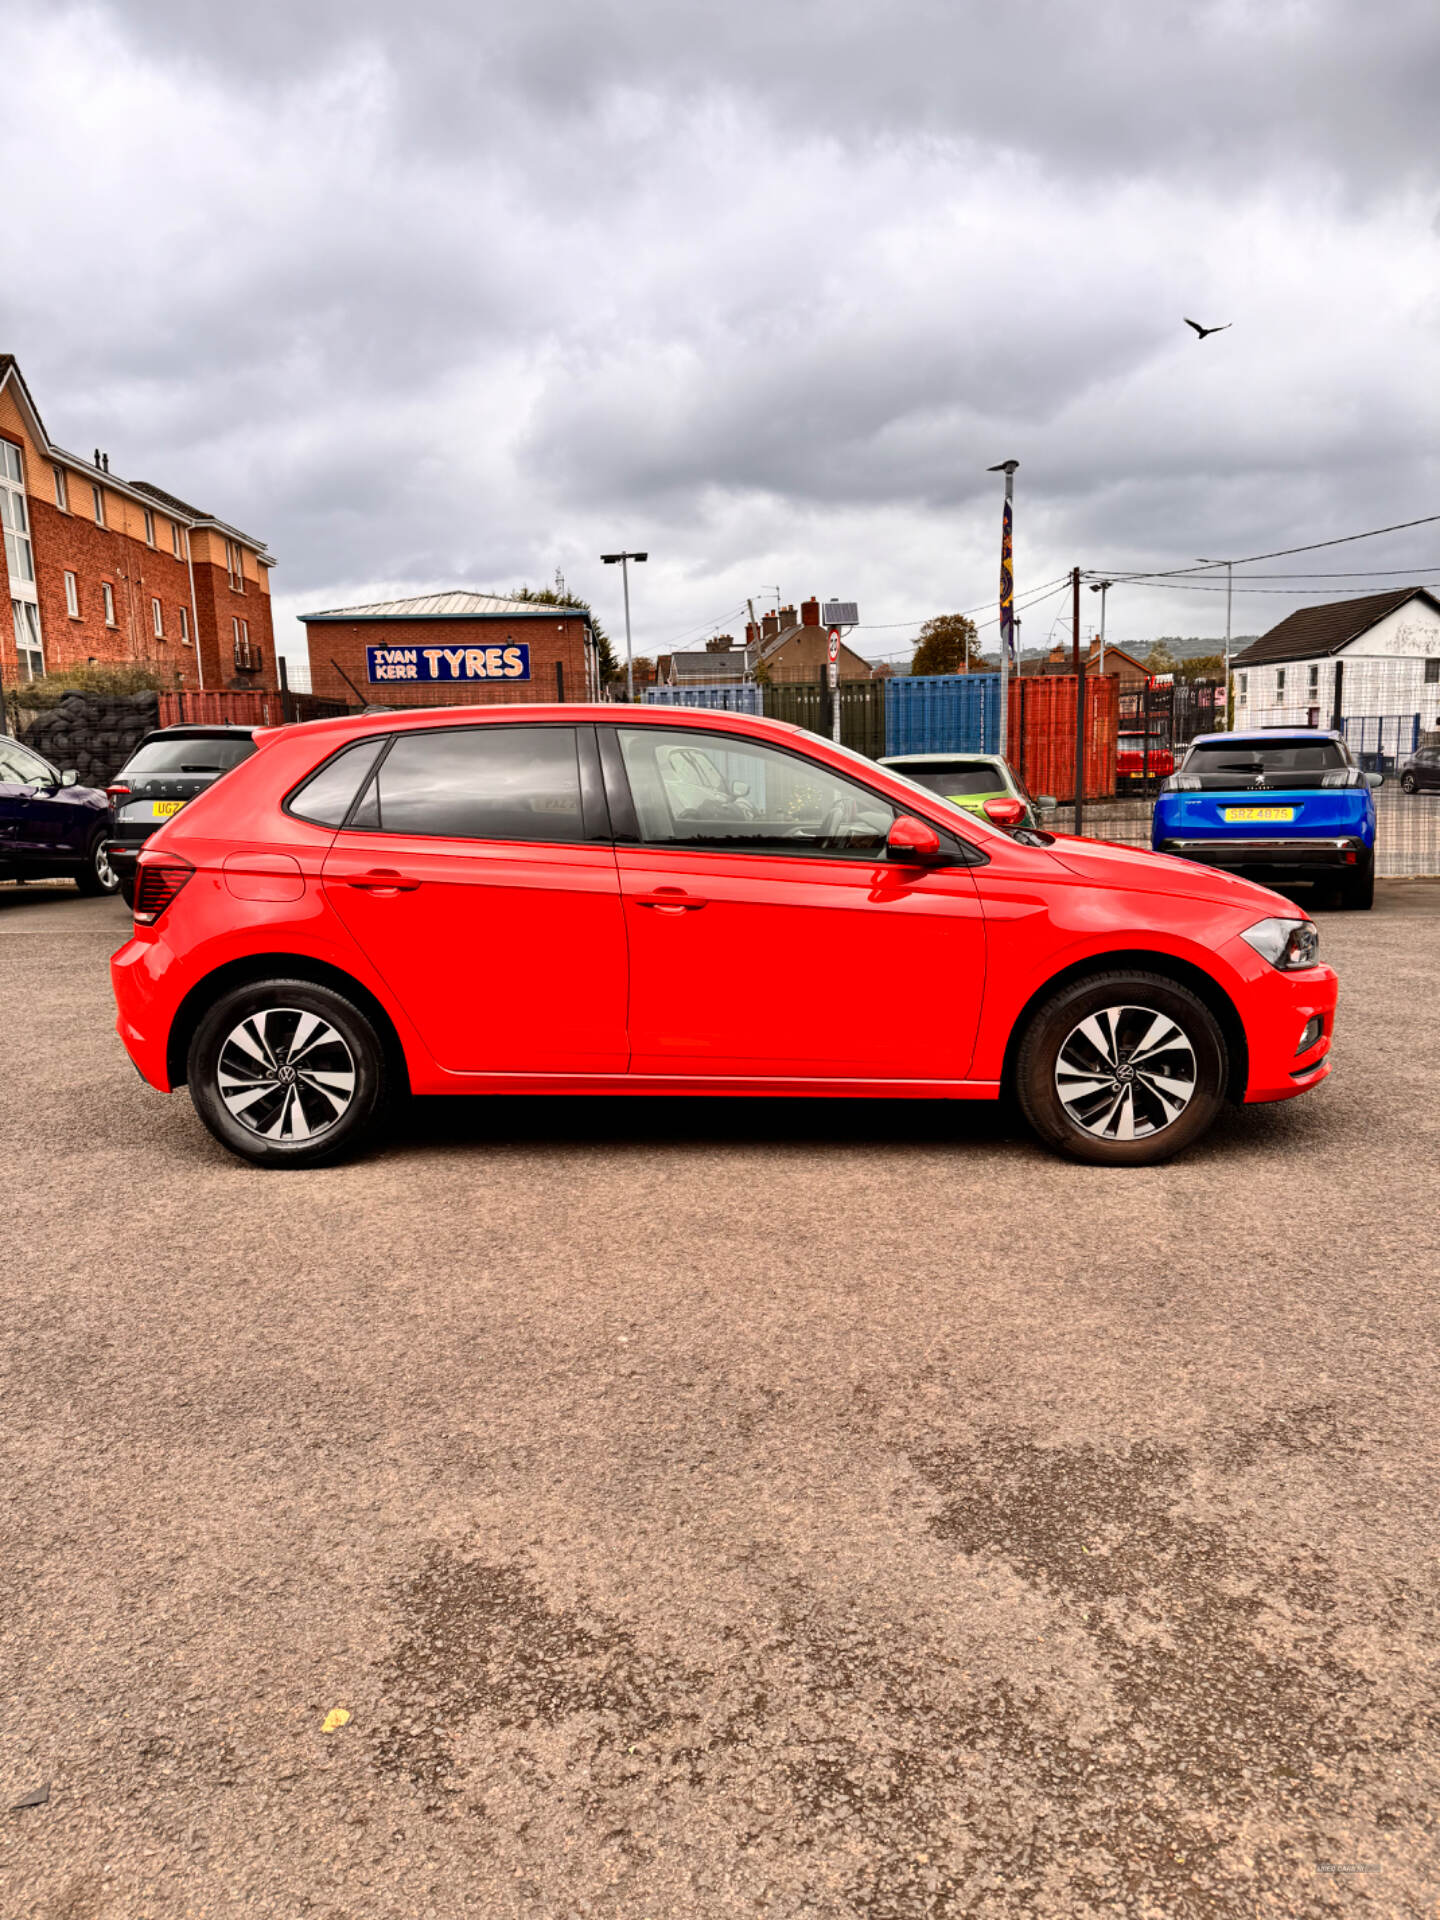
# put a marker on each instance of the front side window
(492, 782)
(21, 768)
(108, 593)
(725, 792)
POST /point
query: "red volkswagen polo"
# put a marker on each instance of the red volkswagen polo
(649, 900)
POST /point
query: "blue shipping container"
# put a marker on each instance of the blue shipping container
(943, 713)
(728, 697)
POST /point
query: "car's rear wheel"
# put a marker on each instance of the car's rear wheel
(1407, 783)
(1359, 893)
(97, 876)
(286, 1073)
(1121, 1069)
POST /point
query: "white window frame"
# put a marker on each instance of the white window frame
(107, 594)
(1242, 690)
(72, 596)
(1313, 680)
(149, 527)
(19, 548)
(244, 660)
(157, 617)
(29, 644)
(184, 613)
(235, 565)
(175, 546)
(62, 489)
(1279, 683)
(97, 496)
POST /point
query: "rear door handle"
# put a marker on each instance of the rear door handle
(382, 880)
(669, 900)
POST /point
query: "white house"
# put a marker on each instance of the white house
(1370, 667)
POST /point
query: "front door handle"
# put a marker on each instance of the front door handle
(382, 880)
(669, 900)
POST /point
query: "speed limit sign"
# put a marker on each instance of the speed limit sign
(834, 651)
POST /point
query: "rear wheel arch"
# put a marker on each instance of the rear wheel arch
(1203, 985)
(289, 966)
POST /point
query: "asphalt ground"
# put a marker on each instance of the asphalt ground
(717, 1508)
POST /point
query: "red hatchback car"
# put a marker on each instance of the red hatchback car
(651, 900)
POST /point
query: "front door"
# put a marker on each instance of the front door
(769, 934)
(38, 818)
(479, 881)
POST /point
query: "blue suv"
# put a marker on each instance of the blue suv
(1280, 805)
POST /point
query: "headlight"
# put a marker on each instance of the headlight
(1287, 944)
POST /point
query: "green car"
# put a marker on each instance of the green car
(968, 780)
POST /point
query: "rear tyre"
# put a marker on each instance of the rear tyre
(288, 1074)
(1407, 783)
(1121, 1069)
(97, 876)
(1359, 894)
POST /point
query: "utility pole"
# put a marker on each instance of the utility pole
(624, 560)
(1102, 587)
(1079, 668)
(1229, 566)
(1007, 594)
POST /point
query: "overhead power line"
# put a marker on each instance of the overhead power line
(1277, 553)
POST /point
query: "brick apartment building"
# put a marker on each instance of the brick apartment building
(107, 572)
(452, 649)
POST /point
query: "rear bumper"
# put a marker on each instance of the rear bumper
(1273, 859)
(123, 847)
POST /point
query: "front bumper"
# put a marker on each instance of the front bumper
(1274, 859)
(1278, 1009)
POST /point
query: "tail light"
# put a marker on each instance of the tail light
(117, 791)
(156, 886)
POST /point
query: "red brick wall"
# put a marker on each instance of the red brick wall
(136, 573)
(561, 639)
(217, 606)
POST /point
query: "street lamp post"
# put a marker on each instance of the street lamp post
(1102, 587)
(1007, 595)
(624, 560)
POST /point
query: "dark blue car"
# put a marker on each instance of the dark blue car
(1281, 805)
(50, 827)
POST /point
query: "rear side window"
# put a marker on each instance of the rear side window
(326, 796)
(480, 783)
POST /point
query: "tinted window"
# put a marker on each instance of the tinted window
(952, 782)
(21, 768)
(214, 755)
(482, 783)
(1296, 763)
(325, 797)
(721, 790)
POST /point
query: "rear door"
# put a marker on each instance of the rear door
(478, 877)
(770, 936)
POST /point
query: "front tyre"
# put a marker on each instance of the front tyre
(1121, 1069)
(1407, 783)
(287, 1074)
(97, 876)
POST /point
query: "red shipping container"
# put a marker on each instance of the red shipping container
(1041, 733)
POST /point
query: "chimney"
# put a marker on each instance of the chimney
(770, 625)
(722, 643)
(752, 634)
(810, 613)
(787, 617)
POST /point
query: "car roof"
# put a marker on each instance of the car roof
(1270, 734)
(522, 713)
(941, 759)
(198, 730)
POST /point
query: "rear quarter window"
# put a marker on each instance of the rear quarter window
(326, 797)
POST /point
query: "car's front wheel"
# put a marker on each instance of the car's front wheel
(97, 876)
(1121, 1069)
(1407, 783)
(286, 1073)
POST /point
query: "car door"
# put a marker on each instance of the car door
(770, 935)
(39, 823)
(477, 874)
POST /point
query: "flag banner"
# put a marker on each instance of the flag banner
(1007, 591)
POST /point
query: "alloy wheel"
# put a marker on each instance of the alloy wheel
(286, 1074)
(104, 872)
(1125, 1073)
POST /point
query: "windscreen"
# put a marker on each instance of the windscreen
(962, 779)
(1264, 763)
(192, 754)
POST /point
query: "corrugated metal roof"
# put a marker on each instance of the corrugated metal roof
(438, 606)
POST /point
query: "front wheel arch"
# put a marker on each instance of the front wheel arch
(1203, 985)
(292, 966)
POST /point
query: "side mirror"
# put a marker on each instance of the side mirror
(912, 841)
(1046, 805)
(739, 789)
(1005, 813)
(69, 777)
(1374, 779)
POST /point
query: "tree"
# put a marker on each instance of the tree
(610, 668)
(1160, 659)
(945, 645)
(1201, 666)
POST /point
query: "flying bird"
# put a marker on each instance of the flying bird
(1202, 331)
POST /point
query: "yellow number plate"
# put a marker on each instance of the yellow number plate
(162, 809)
(1259, 813)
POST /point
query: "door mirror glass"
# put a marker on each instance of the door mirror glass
(1005, 813)
(1046, 805)
(1374, 779)
(912, 840)
(69, 777)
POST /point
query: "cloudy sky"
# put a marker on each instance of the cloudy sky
(451, 293)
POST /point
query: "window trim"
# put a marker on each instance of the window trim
(175, 540)
(622, 806)
(107, 595)
(149, 526)
(62, 487)
(184, 613)
(157, 616)
(97, 496)
(72, 595)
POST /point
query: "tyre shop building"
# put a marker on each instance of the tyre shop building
(452, 649)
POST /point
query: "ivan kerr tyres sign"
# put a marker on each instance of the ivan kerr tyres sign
(509, 662)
